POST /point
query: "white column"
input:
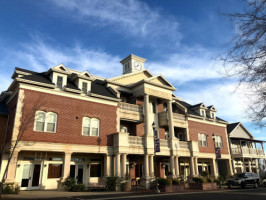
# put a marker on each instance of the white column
(214, 167)
(151, 165)
(229, 166)
(11, 172)
(117, 168)
(176, 166)
(249, 165)
(172, 164)
(146, 166)
(107, 165)
(170, 121)
(196, 165)
(192, 167)
(146, 112)
(67, 161)
(123, 162)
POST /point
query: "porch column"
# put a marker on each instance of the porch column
(176, 166)
(146, 112)
(214, 167)
(151, 165)
(117, 167)
(170, 121)
(192, 170)
(67, 161)
(229, 167)
(196, 165)
(249, 165)
(11, 173)
(172, 164)
(107, 165)
(146, 166)
(124, 163)
(257, 166)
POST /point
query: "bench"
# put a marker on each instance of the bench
(93, 187)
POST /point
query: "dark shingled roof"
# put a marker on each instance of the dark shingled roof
(98, 87)
(3, 109)
(38, 77)
(231, 127)
(192, 112)
(25, 70)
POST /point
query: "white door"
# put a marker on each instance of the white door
(30, 179)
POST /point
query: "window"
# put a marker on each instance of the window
(85, 87)
(54, 170)
(45, 122)
(90, 127)
(59, 82)
(202, 138)
(95, 170)
(203, 113)
(153, 107)
(218, 141)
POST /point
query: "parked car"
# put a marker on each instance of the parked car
(244, 179)
(263, 182)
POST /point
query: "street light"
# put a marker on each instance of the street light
(155, 166)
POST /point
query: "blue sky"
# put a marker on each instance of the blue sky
(179, 39)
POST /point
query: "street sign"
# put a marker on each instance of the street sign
(157, 145)
(218, 152)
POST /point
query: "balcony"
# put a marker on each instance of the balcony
(179, 120)
(131, 112)
(184, 145)
(135, 141)
(247, 152)
(164, 143)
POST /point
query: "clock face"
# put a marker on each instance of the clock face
(137, 66)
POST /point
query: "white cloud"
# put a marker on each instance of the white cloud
(192, 64)
(126, 17)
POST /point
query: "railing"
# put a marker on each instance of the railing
(247, 151)
(184, 145)
(131, 107)
(164, 143)
(179, 116)
(136, 140)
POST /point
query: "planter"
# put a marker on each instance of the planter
(178, 188)
(126, 187)
(185, 185)
(203, 186)
(165, 188)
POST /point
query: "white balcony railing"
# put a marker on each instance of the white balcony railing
(179, 116)
(184, 145)
(136, 140)
(247, 151)
(131, 107)
(164, 143)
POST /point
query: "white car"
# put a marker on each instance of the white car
(263, 183)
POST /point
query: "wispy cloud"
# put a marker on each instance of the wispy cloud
(126, 17)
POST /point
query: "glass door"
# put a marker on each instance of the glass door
(30, 176)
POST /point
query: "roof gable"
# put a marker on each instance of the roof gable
(239, 131)
(160, 80)
(60, 69)
(129, 79)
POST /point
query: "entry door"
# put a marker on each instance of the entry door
(30, 176)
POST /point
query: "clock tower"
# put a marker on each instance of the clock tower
(132, 64)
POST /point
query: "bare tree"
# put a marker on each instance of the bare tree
(246, 58)
(27, 118)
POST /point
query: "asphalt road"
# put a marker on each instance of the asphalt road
(232, 194)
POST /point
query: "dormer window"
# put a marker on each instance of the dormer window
(203, 113)
(59, 82)
(85, 87)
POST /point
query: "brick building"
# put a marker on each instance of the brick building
(88, 127)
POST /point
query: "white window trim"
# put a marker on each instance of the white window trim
(91, 119)
(201, 141)
(45, 122)
(218, 142)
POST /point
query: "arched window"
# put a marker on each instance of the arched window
(51, 119)
(90, 127)
(95, 124)
(86, 126)
(45, 122)
(39, 121)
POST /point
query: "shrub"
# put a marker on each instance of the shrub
(170, 180)
(204, 174)
(176, 182)
(199, 179)
(10, 188)
(182, 179)
(163, 181)
(210, 180)
(72, 185)
(112, 182)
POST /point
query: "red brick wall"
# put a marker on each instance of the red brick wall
(140, 128)
(70, 112)
(197, 127)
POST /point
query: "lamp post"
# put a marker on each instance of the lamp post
(155, 165)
